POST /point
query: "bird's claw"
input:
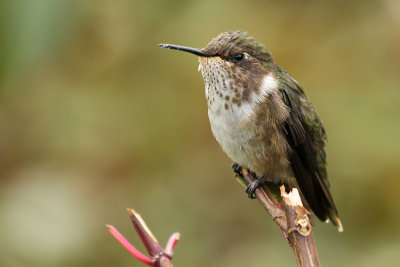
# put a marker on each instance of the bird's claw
(251, 189)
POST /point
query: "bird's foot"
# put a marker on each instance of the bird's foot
(237, 169)
(251, 188)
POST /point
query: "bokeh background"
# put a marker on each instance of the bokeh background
(95, 118)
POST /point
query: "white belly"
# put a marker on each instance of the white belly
(233, 133)
(241, 141)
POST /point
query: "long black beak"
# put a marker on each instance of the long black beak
(192, 50)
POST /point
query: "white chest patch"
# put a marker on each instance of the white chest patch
(269, 84)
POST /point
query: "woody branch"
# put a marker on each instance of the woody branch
(293, 221)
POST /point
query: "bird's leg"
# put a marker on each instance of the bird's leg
(237, 169)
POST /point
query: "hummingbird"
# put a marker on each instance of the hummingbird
(263, 120)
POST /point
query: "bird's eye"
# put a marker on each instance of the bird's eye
(238, 57)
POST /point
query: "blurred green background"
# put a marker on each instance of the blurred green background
(95, 118)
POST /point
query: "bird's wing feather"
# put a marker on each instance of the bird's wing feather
(306, 137)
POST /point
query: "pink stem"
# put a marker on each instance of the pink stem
(169, 249)
(128, 246)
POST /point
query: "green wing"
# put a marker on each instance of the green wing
(307, 137)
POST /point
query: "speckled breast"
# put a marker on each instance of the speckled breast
(234, 120)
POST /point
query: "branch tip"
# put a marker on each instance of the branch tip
(140, 225)
(132, 212)
(169, 248)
